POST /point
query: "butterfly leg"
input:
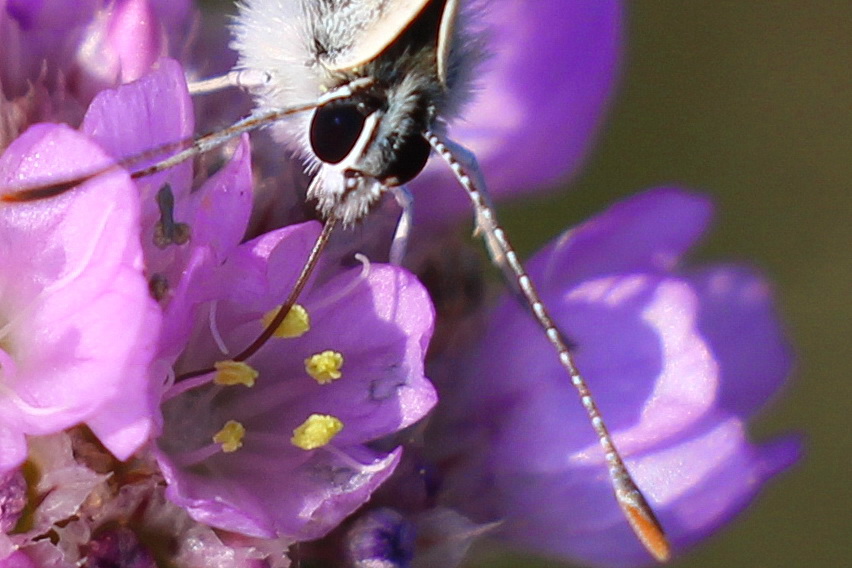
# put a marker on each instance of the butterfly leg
(246, 79)
(399, 245)
(483, 217)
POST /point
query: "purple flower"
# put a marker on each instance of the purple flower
(677, 359)
(289, 456)
(78, 325)
(86, 45)
(540, 97)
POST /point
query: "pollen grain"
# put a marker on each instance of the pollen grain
(325, 367)
(316, 431)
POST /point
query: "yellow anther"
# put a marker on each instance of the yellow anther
(230, 437)
(231, 373)
(296, 323)
(324, 367)
(316, 431)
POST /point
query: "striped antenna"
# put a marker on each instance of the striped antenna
(180, 150)
(636, 509)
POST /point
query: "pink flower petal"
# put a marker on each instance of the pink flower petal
(79, 324)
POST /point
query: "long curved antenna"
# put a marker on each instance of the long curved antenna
(184, 149)
(636, 509)
(307, 269)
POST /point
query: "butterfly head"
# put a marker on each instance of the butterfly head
(368, 142)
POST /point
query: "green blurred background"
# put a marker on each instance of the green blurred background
(751, 102)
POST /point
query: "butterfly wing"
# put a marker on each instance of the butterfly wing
(355, 33)
(373, 25)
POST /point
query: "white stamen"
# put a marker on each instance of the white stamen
(214, 329)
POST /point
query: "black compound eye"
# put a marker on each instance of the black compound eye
(335, 129)
(411, 158)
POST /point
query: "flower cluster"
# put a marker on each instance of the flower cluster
(137, 429)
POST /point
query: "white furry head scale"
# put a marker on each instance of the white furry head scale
(403, 68)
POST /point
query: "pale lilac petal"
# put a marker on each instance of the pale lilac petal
(736, 303)
(138, 400)
(695, 485)
(56, 15)
(179, 313)
(279, 500)
(157, 110)
(216, 215)
(120, 46)
(13, 446)
(660, 380)
(134, 34)
(649, 232)
(148, 113)
(218, 212)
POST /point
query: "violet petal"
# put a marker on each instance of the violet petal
(540, 98)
